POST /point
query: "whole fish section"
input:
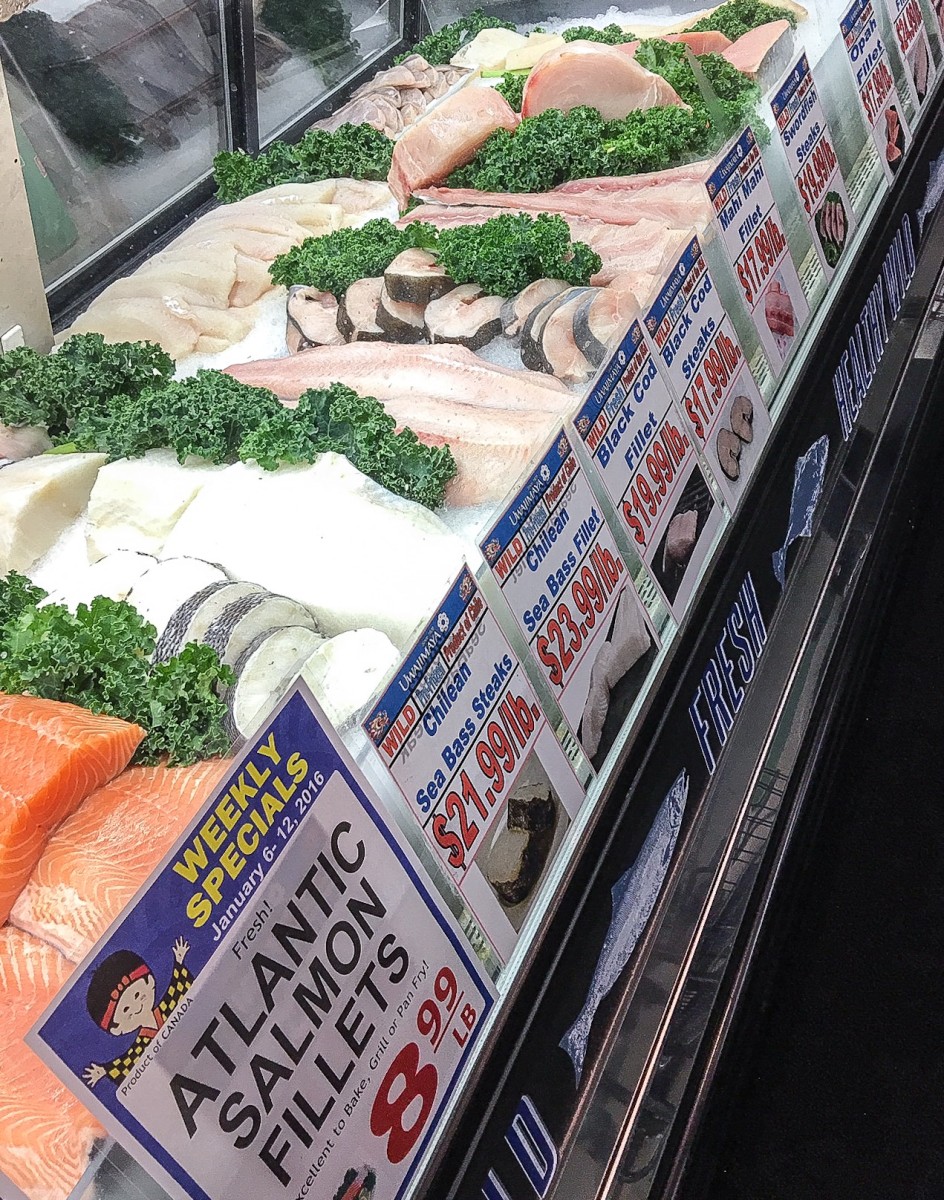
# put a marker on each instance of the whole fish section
(684, 204)
(589, 73)
(446, 138)
(391, 371)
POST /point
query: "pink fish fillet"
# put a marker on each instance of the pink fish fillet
(710, 42)
(691, 173)
(597, 75)
(492, 445)
(748, 52)
(446, 138)
(390, 370)
(684, 205)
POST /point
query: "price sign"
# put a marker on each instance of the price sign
(643, 454)
(308, 1031)
(911, 35)
(808, 143)
(705, 365)
(752, 233)
(463, 736)
(875, 85)
(558, 566)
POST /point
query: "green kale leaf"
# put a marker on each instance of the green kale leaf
(738, 17)
(610, 35)
(181, 708)
(506, 253)
(439, 47)
(17, 594)
(99, 659)
(334, 261)
(511, 87)
(350, 152)
(338, 419)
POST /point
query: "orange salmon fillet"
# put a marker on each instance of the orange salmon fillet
(51, 757)
(105, 851)
(46, 1135)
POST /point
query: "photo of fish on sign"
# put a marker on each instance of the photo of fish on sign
(557, 563)
(526, 837)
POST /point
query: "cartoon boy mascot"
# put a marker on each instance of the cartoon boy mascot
(121, 999)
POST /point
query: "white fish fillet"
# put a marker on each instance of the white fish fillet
(598, 701)
(690, 173)
(390, 370)
(196, 296)
(683, 205)
(596, 75)
(446, 138)
(492, 445)
(364, 558)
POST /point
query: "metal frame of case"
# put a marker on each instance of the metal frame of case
(663, 1029)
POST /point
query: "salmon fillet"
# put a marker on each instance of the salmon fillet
(51, 757)
(104, 852)
(46, 1135)
(446, 138)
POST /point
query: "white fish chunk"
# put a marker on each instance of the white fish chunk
(360, 556)
(23, 441)
(136, 502)
(39, 497)
(160, 591)
(345, 671)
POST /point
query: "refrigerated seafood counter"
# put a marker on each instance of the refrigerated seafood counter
(438, 521)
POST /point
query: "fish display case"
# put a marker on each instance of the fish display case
(575, 671)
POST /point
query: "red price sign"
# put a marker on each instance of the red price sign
(762, 255)
(564, 635)
(500, 746)
(650, 488)
(711, 383)
(816, 173)
(394, 1114)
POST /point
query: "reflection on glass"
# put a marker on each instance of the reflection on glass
(117, 108)
(305, 48)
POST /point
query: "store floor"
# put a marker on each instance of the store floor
(843, 1092)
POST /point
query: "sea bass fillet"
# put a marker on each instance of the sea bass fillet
(684, 205)
(588, 73)
(446, 138)
(101, 855)
(491, 443)
(51, 757)
(391, 370)
(46, 1135)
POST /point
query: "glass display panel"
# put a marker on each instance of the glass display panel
(117, 106)
(306, 48)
